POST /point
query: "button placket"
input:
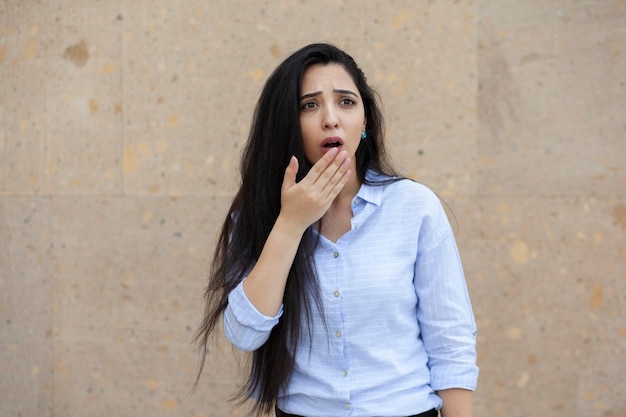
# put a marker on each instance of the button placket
(335, 261)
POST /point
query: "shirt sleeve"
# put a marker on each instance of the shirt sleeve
(245, 327)
(444, 312)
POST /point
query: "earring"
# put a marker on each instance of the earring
(363, 135)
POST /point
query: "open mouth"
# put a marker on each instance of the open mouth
(332, 142)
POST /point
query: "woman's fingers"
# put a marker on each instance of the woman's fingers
(318, 169)
(304, 202)
(290, 174)
(327, 169)
(338, 179)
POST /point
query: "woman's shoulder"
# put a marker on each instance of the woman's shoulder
(404, 188)
(415, 188)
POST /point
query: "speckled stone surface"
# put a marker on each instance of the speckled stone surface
(121, 126)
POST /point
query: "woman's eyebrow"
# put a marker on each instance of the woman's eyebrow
(310, 95)
(336, 91)
(345, 92)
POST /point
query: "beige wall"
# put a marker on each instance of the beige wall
(121, 124)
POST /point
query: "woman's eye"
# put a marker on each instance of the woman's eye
(347, 102)
(308, 105)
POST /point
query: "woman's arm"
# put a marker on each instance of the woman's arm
(445, 315)
(457, 402)
(302, 204)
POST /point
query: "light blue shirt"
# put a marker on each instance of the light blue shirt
(399, 324)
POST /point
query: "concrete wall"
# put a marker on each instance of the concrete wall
(121, 124)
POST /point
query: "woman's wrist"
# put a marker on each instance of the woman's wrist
(289, 228)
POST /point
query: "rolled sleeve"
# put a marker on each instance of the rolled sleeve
(245, 327)
(454, 376)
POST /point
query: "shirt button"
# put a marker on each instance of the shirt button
(346, 406)
(338, 333)
(336, 254)
(344, 373)
(336, 293)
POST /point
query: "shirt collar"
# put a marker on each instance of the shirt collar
(371, 193)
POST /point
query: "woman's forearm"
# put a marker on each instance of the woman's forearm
(265, 284)
(457, 402)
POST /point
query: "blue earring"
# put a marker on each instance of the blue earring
(363, 135)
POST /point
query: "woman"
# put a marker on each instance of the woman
(342, 277)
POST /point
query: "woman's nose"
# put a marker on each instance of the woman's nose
(330, 119)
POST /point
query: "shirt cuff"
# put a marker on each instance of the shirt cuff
(247, 315)
(454, 376)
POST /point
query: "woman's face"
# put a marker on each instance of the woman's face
(331, 112)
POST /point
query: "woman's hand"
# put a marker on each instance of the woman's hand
(305, 202)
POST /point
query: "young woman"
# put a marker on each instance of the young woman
(341, 276)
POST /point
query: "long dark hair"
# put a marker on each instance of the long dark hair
(274, 137)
